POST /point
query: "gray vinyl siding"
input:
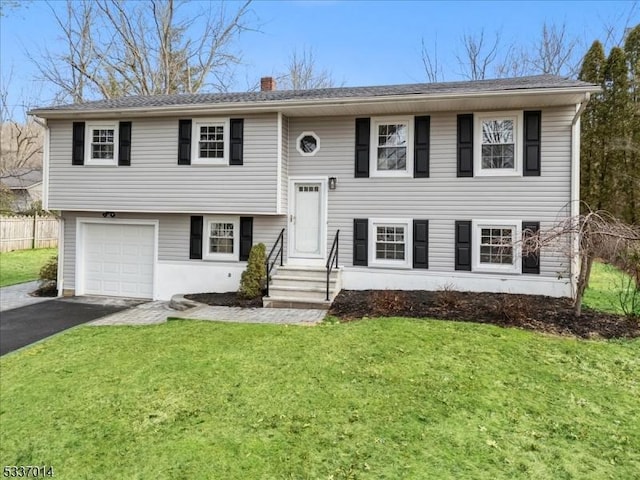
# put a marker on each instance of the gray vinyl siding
(442, 198)
(284, 181)
(156, 183)
(173, 236)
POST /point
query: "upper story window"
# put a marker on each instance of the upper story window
(498, 144)
(495, 246)
(308, 144)
(391, 154)
(211, 142)
(390, 242)
(101, 144)
(222, 240)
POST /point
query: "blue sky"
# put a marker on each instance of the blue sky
(360, 42)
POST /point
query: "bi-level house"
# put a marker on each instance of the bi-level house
(404, 187)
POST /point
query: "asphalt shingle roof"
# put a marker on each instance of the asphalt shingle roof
(470, 87)
(21, 178)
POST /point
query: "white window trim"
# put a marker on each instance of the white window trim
(308, 134)
(88, 137)
(195, 140)
(222, 257)
(373, 151)
(477, 226)
(407, 223)
(518, 138)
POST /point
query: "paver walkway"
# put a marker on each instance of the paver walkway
(15, 296)
(157, 312)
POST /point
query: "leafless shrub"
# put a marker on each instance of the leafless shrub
(387, 303)
(512, 308)
(447, 297)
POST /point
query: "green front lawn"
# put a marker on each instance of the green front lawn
(22, 266)
(605, 286)
(383, 398)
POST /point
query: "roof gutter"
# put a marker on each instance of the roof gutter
(270, 106)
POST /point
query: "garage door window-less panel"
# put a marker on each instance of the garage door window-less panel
(116, 258)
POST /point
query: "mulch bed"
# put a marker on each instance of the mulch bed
(531, 312)
(228, 299)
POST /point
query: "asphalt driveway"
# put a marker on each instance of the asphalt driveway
(25, 325)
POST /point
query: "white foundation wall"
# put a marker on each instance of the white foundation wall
(354, 278)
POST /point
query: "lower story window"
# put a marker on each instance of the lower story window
(495, 247)
(222, 239)
(390, 242)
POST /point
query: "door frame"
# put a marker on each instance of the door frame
(81, 223)
(324, 205)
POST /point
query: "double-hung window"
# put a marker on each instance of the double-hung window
(390, 242)
(498, 144)
(392, 147)
(222, 238)
(211, 142)
(101, 144)
(496, 247)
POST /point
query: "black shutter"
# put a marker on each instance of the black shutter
(465, 145)
(77, 156)
(363, 138)
(236, 138)
(421, 244)
(463, 245)
(184, 142)
(532, 134)
(124, 138)
(195, 245)
(361, 241)
(531, 261)
(246, 237)
(421, 147)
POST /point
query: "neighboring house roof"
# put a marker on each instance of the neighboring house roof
(21, 178)
(300, 101)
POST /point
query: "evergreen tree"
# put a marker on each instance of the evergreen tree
(592, 143)
(632, 53)
(614, 186)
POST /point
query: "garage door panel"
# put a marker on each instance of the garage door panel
(119, 259)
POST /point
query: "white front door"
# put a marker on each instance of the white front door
(306, 221)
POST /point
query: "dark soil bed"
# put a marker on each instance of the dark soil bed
(228, 299)
(543, 314)
(532, 312)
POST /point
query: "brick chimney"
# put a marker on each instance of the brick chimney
(267, 84)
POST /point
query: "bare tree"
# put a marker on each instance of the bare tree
(555, 52)
(303, 73)
(430, 61)
(478, 54)
(121, 47)
(20, 142)
(596, 234)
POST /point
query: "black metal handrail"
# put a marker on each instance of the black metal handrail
(268, 264)
(333, 258)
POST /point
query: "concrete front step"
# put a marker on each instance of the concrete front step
(301, 287)
(288, 302)
(292, 281)
(298, 291)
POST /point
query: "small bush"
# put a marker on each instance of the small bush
(512, 308)
(389, 303)
(253, 278)
(447, 297)
(49, 277)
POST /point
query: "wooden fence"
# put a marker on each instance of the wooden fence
(21, 233)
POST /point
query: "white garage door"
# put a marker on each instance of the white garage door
(118, 260)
